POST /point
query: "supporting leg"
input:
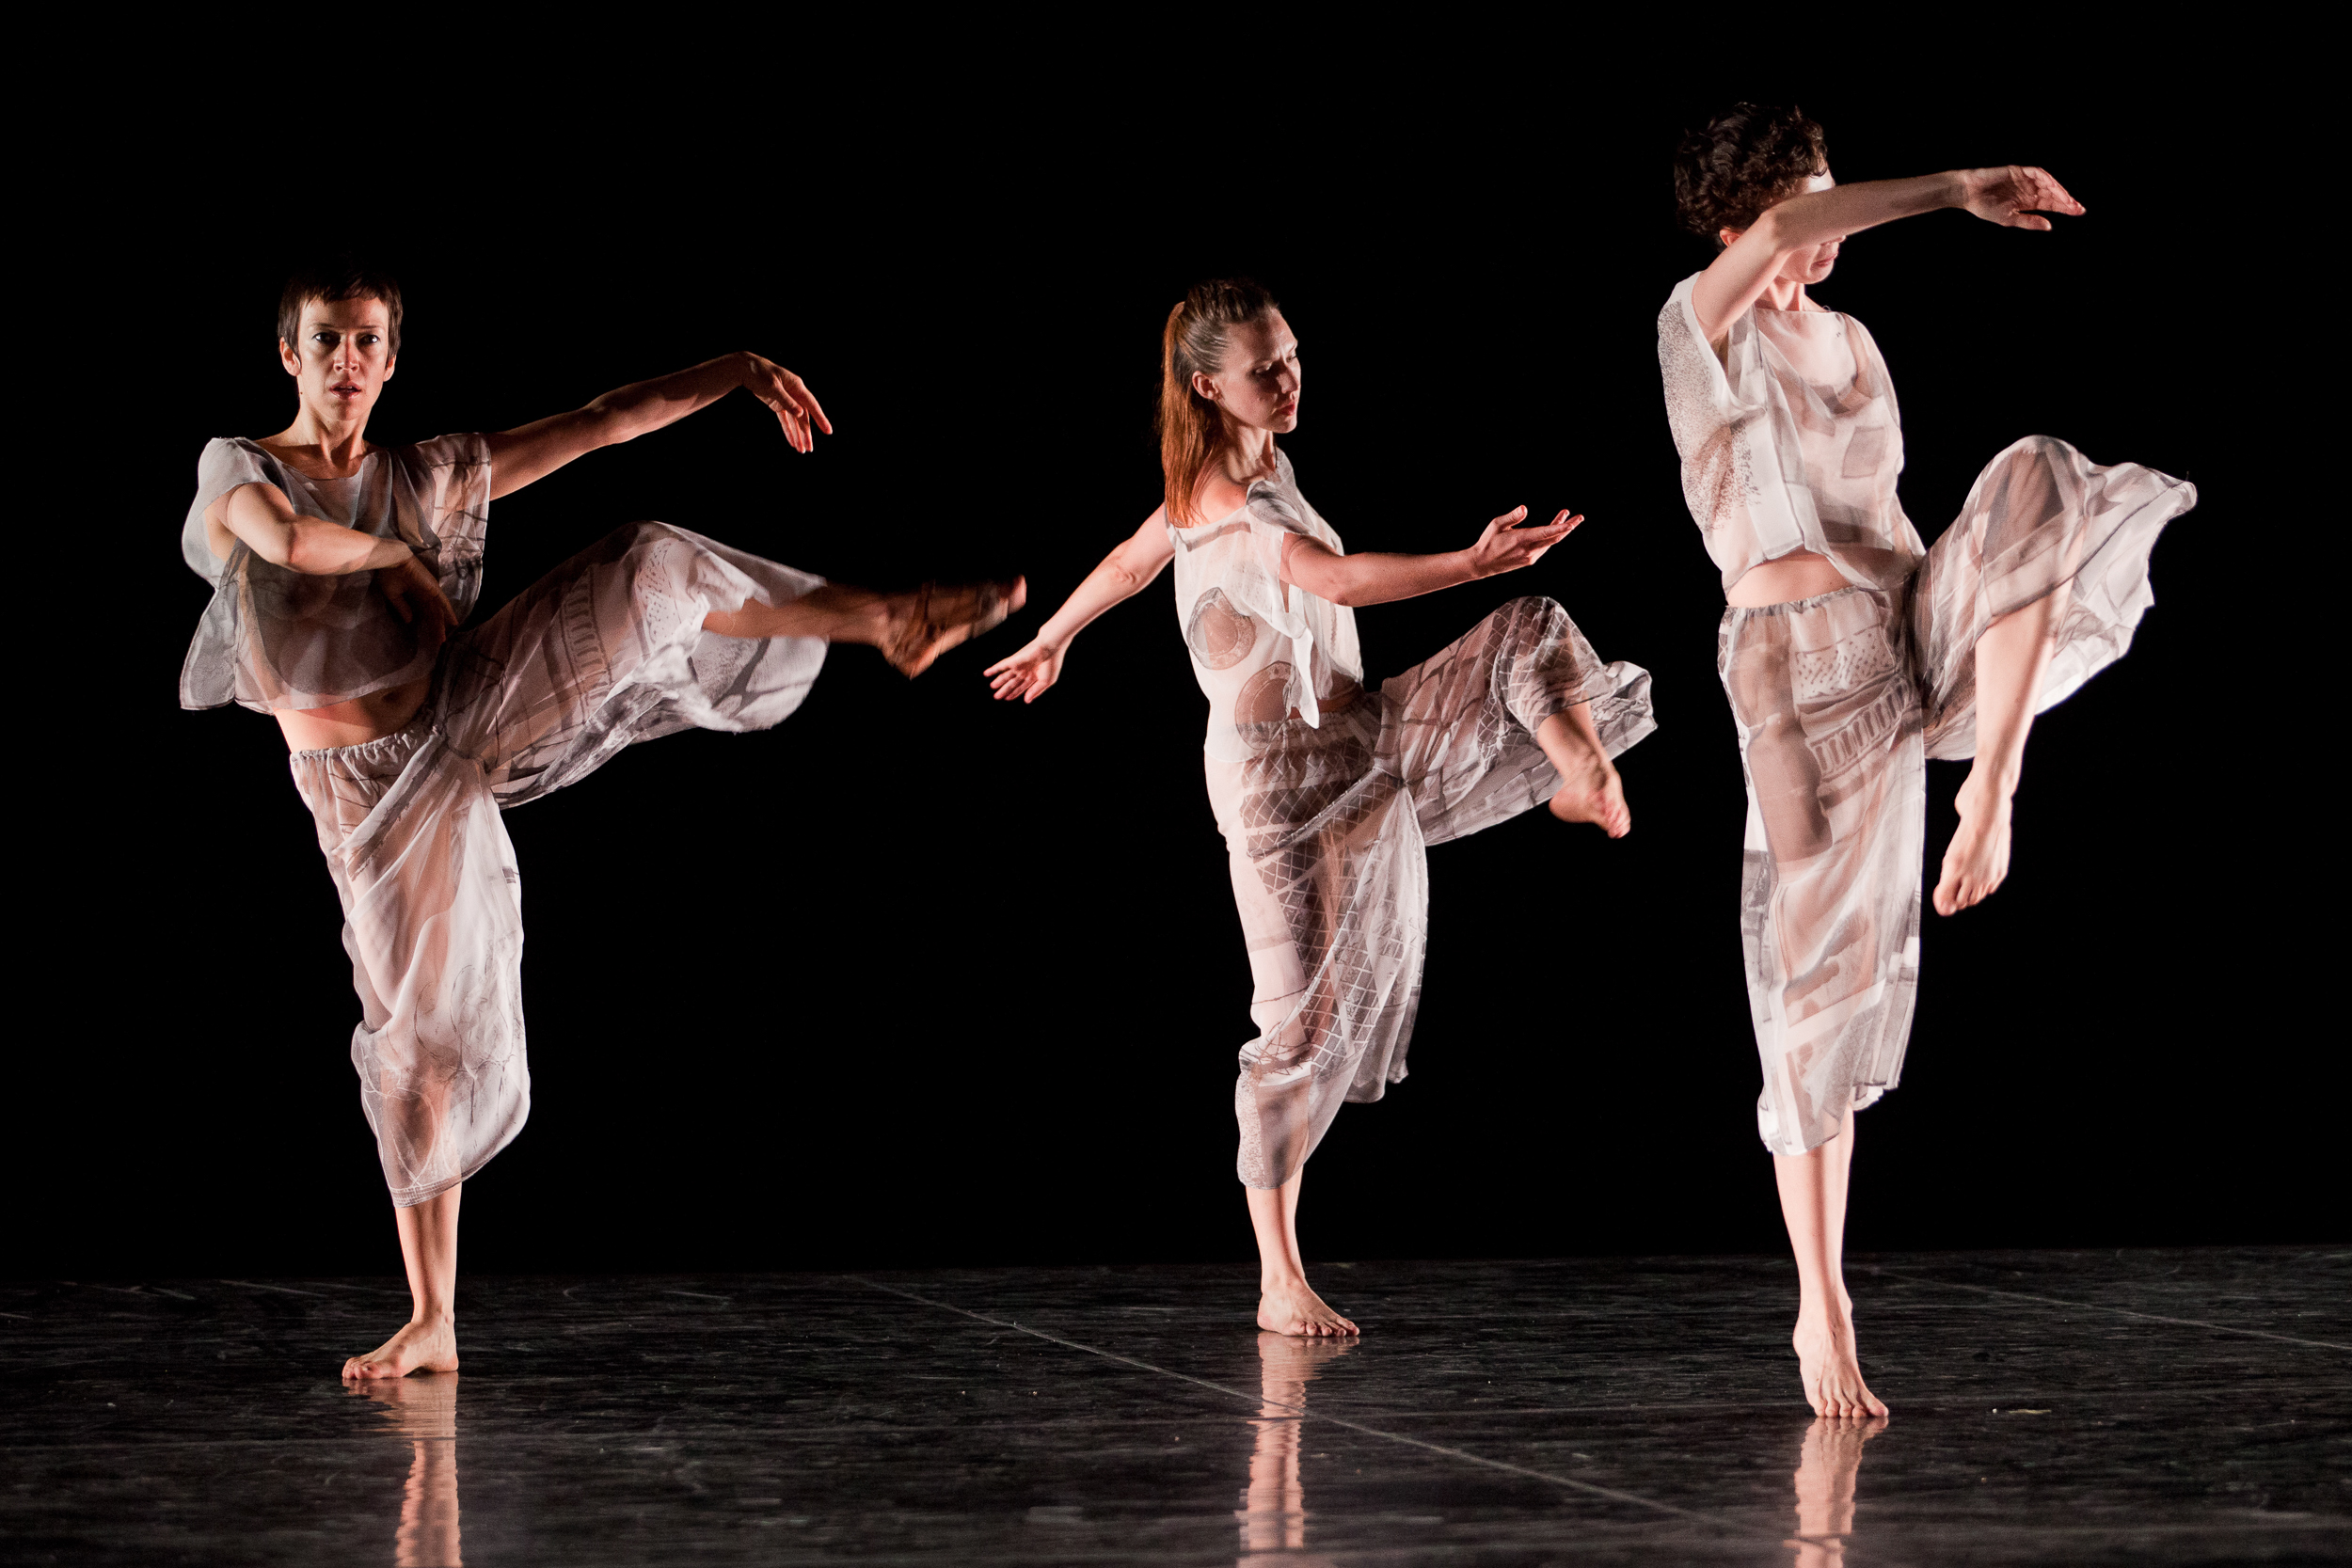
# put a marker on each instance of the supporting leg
(1285, 1305)
(428, 1342)
(1590, 790)
(2012, 656)
(1813, 1202)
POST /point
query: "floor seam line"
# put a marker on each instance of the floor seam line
(2094, 1307)
(1710, 1520)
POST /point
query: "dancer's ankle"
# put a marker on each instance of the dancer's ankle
(1986, 788)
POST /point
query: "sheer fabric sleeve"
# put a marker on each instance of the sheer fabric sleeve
(452, 512)
(1736, 478)
(224, 466)
(1273, 522)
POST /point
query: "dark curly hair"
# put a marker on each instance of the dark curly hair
(1749, 157)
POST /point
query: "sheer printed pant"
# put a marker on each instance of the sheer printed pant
(1327, 830)
(1839, 701)
(605, 651)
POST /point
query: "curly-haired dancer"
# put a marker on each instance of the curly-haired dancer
(1326, 794)
(341, 570)
(1852, 653)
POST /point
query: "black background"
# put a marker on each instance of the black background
(919, 979)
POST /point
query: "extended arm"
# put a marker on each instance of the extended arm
(1378, 577)
(1124, 573)
(536, 449)
(2010, 195)
(265, 520)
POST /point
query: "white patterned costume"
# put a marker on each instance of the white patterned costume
(606, 650)
(1328, 795)
(1792, 441)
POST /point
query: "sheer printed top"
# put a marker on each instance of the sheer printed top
(273, 638)
(1262, 656)
(1790, 441)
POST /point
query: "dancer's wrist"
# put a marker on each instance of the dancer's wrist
(388, 555)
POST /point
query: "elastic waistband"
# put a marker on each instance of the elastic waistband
(408, 736)
(1794, 607)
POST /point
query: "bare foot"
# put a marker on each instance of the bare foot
(1978, 859)
(1292, 1308)
(937, 617)
(1597, 798)
(430, 1347)
(1825, 1360)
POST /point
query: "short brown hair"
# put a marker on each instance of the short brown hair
(1749, 157)
(1194, 340)
(329, 278)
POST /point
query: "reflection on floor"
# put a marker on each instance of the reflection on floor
(423, 1410)
(2048, 1407)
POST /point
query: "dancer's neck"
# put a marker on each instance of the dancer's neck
(322, 445)
(1250, 456)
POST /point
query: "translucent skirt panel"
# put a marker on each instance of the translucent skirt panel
(604, 651)
(1327, 828)
(1839, 701)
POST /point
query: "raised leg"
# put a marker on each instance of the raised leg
(1590, 788)
(1813, 1202)
(911, 629)
(1285, 1303)
(2012, 656)
(428, 1342)
(834, 613)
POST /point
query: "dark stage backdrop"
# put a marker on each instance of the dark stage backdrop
(916, 977)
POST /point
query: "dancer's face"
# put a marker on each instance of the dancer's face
(1259, 384)
(1813, 263)
(343, 358)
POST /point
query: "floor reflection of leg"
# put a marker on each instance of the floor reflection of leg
(1826, 1468)
(1274, 1508)
(424, 1411)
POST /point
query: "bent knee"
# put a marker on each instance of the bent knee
(2036, 453)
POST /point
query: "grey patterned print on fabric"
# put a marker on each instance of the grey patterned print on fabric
(1791, 442)
(605, 651)
(1328, 800)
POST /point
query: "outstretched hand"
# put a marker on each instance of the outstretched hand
(796, 407)
(1027, 674)
(1506, 547)
(2012, 195)
(415, 592)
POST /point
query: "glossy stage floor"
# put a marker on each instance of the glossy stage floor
(2048, 1407)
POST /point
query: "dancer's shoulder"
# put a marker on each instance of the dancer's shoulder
(470, 448)
(231, 449)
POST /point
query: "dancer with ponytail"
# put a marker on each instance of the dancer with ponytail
(1327, 794)
(1852, 653)
(341, 573)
